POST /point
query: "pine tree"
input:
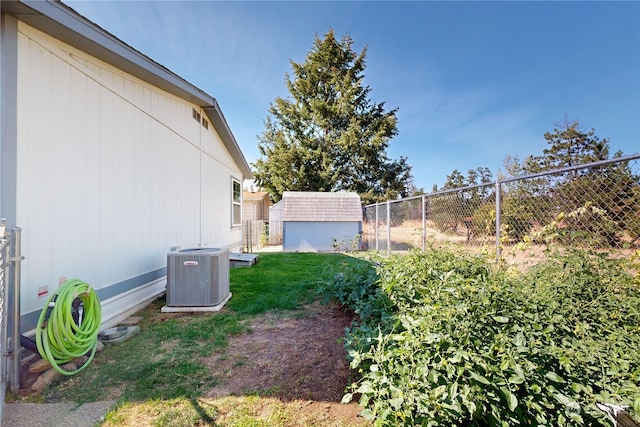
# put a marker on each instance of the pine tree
(328, 135)
(571, 145)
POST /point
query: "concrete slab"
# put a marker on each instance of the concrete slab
(242, 260)
(272, 248)
(206, 309)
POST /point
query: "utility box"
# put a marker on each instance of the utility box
(197, 277)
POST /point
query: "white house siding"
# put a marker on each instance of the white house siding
(302, 236)
(111, 173)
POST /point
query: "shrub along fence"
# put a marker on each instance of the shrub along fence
(445, 338)
(594, 205)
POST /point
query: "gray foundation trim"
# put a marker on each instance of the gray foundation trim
(129, 284)
(29, 321)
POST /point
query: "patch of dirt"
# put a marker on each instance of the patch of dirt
(288, 358)
(296, 358)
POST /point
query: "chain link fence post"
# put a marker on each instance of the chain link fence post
(16, 258)
(5, 243)
(498, 217)
(375, 228)
(388, 228)
(424, 223)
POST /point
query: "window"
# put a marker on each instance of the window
(205, 123)
(236, 203)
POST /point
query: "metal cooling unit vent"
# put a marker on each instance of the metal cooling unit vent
(197, 277)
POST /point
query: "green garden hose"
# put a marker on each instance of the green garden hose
(59, 338)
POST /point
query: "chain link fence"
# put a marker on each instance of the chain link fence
(255, 235)
(4, 279)
(596, 205)
(10, 258)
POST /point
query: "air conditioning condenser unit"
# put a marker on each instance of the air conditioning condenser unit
(197, 277)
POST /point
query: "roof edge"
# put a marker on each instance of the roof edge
(220, 123)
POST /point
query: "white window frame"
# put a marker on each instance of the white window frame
(236, 203)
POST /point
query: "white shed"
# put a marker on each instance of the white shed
(107, 161)
(321, 222)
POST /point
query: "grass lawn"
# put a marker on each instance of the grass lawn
(280, 281)
(158, 378)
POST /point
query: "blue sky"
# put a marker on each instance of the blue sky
(473, 81)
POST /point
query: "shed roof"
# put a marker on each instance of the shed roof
(321, 207)
(64, 23)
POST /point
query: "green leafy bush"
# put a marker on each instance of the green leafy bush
(355, 285)
(461, 343)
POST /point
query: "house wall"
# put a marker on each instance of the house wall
(301, 236)
(111, 173)
(255, 206)
(255, 210)
(266, 204)
(275, 224)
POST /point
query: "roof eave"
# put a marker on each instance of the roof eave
(214, 113)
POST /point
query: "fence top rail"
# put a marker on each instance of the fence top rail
(436, 193)
(572, 168)
(515, 178)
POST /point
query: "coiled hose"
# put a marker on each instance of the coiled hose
(59, 338)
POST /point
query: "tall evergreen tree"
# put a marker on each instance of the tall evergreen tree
(571, 145)
(328, 135)
(455, 180)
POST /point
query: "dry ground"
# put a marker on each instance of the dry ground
(291, 358)
(299, 360)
